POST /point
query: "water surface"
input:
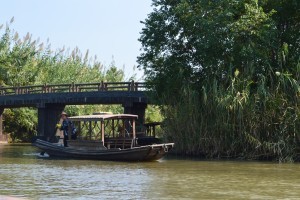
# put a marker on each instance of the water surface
(24, 175)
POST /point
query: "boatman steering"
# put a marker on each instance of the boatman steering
(67, 127)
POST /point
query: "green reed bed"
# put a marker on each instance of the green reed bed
(244, 120)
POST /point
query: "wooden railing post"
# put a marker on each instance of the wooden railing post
(132, 85)
(102, 86)
(71, 87)
(76, 87)
(99, 86)
(44, 88)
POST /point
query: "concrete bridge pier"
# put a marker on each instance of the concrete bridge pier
(136, 109)
(48, 116)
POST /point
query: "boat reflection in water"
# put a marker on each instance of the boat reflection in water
(107, 137)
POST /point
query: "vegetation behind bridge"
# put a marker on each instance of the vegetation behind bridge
(27, 61)
(228, 72)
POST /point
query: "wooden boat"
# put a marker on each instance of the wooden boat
(106, 137)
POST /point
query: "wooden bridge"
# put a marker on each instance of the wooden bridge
(51, 99)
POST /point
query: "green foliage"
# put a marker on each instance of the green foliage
(228, 74)
(153, 114)
(114, 74)
(25, 61)
(20, 123)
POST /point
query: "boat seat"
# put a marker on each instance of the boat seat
(121, 143)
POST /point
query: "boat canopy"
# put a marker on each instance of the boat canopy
(102, 117)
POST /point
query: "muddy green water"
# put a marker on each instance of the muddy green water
(24, 175)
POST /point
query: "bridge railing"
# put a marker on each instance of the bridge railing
(74, 87)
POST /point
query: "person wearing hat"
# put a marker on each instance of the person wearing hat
(59, 133)
(67, 127)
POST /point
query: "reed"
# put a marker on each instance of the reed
(239, 119)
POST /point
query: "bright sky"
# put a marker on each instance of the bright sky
(108, 28)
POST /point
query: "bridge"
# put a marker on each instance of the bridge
(51, 99)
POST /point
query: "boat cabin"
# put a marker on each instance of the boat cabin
(148, 136)
(112, 130)
(151, 128)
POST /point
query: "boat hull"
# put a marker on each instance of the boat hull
(142, 153)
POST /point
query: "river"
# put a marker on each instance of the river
(24, 175)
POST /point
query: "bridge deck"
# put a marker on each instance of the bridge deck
(73, 94)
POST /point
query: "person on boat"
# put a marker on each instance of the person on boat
(59, 133)
(67, 127)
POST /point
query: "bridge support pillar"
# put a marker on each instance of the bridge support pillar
(136, 109)
(1, 125)
(48, 116)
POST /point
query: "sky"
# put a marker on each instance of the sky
(109, 29)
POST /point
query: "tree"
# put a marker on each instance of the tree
(223, 67)
(187, 41)
(20, 124)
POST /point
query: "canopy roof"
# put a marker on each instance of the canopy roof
(102, 117)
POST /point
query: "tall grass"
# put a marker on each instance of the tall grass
(237, 118)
